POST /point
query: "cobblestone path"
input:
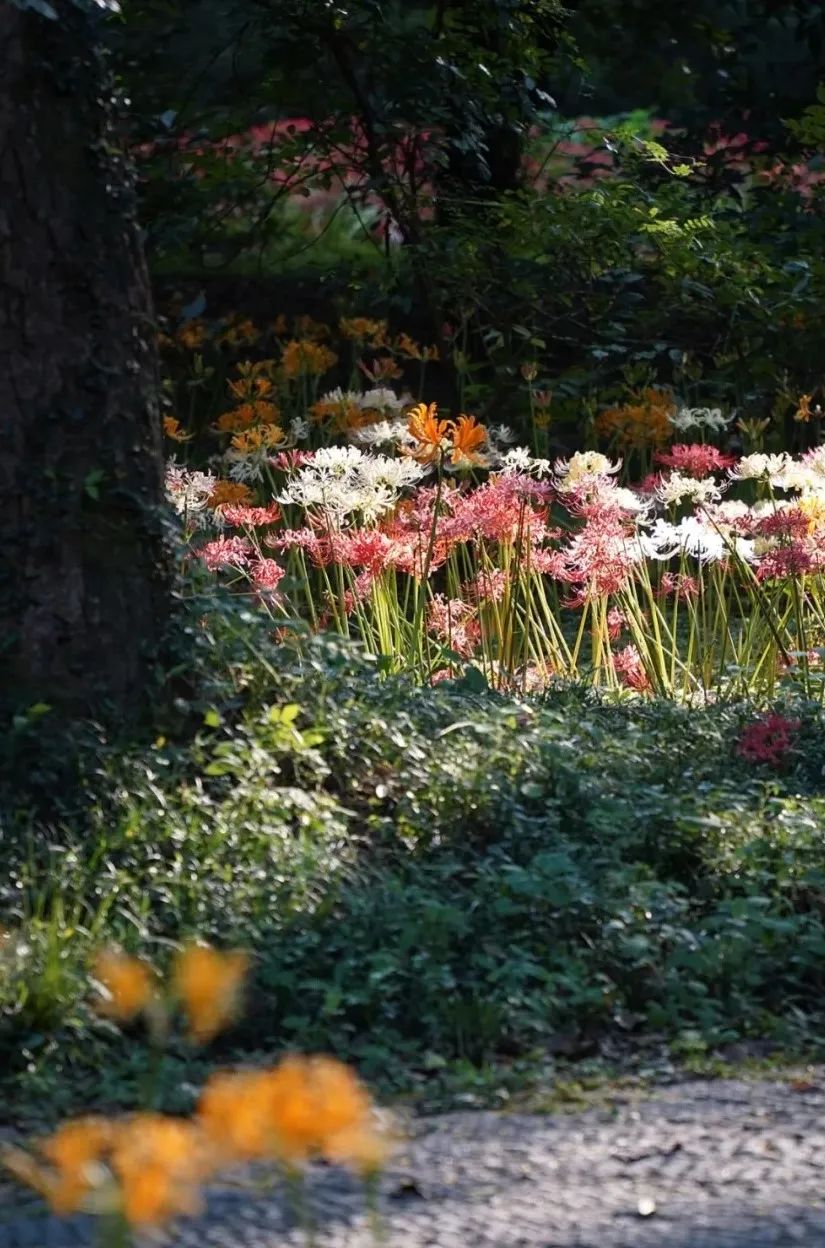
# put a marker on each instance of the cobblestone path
(728, 1164)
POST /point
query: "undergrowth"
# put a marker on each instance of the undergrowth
(427, 878)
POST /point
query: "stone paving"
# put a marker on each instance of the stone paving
(728, 1164)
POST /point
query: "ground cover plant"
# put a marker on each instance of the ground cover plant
(427, 877)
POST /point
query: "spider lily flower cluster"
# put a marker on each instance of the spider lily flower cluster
(456, 550)
(141, 1170)
(442, 544)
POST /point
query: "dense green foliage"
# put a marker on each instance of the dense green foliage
(489, 170)
(425, 876)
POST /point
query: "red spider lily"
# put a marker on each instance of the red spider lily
(411, 549)
(650, 483)
(359, 592)
(453, 621)
(550, 563)
(680, 586)
(695, 459)
(616, 623)
(498, 511)
(370, 549)
(768, 740)
(226, 552)
(290, 461)
(599, 559)
(252, 516)
(631, 670)
(598, 507)
(490, 585)
(315, 544)
(790, 523)
(266, 574)
(790, 560)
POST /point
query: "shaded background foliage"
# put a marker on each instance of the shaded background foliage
(430, 161)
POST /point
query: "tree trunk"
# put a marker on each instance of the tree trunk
(84, 564)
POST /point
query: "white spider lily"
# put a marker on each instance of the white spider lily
(189, 492)
(383, 433)
(625, 498)
(583, 468)
(398, 474)
(815, 460)
(499, 436)
(759, 465)
(343, 480)
(730, 509)
(678, 488)
(697, 537)
(248, 465)
(519, 459)
(298, 429)
(806, 475)
(383, 399)
(699, 418)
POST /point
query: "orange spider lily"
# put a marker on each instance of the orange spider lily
(467, 436)
(432, 436)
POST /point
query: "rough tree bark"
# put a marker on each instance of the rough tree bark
(84, 568)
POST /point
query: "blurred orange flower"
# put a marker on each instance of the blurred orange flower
(384, 368)
(260, 438)
(312, 1101)
(303, 357)
(803, 412)
(73, 1154)
(304, 1107)
(362, 1147)
(308, 327)
(339, 414)
(150, 1167)
(128, 985)
(192, 335)
(247, 415)
(209, 985)
(406, 346)
(172, 428)
(233, 492)
(233, 1113)
(239, 332)
(251, 385)
(643, 422)
(159, 1163)
(363, 329)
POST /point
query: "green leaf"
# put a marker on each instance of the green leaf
(472, 681)
(92, 482)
